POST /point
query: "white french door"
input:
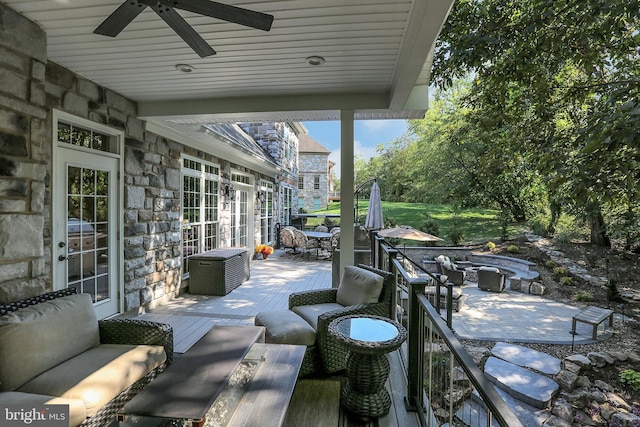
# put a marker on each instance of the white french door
(240, 219)
(86, 224)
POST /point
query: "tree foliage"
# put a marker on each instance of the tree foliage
(556, 85)
(537, 109)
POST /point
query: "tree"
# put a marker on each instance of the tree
(557, 83)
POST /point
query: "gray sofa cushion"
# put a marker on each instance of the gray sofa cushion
(77, 412)
(34, 339)
(99, 374)
(286, 327)
(311, 312)
(359, 286)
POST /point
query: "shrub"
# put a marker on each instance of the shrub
(631, 377)
(430, 226)
(613, 294)
(490, 246)
(584, 296)
(538, 227)
(513, 249)
(566, 236)
(550, 264)
(456, 236)
(560, 271)
(566, 281)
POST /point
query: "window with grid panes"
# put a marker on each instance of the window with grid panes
(199, 208)
(266, 212)
(316, 182)
(287, 199)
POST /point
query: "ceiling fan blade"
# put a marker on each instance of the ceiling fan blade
(118, 20)
(237, 15)
(185, 31)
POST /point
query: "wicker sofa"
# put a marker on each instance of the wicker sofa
(53, 350)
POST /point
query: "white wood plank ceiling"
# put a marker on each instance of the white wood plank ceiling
(377, 58)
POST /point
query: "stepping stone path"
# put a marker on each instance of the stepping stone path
(527, 357)
(528, 386)
(542, 390)
(521, 376)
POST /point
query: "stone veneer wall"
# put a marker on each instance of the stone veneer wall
(312, 165)
(273, 137)
(25, 249)
(30, 88)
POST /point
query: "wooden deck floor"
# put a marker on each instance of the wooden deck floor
(271, 282)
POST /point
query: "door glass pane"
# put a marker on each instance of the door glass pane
(87, 138)
(244, 219)
(74, 180)
(87, 230)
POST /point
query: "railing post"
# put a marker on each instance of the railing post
(449, 286)
(415, 340)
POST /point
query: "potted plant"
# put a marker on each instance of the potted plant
(265, 250)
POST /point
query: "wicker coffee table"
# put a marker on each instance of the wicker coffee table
(369, 339)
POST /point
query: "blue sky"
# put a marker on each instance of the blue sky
(368, 135)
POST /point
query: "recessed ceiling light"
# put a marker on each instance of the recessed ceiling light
(184, 68)
(315, 60)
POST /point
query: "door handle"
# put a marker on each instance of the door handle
(62, 258)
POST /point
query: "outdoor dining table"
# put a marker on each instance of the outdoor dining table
(317, 235)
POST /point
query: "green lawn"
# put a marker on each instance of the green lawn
(477, 225)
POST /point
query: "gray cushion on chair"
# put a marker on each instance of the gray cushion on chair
(286, 327)
(359, 286)
(494, 269)
(311, 312)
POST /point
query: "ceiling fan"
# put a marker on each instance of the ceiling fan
(118, 20)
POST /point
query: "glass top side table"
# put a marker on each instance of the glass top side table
(368, 339)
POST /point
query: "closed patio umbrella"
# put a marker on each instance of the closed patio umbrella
(374, 219)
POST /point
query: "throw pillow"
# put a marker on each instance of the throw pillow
(359, 286)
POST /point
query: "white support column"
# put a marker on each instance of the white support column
(347, 216)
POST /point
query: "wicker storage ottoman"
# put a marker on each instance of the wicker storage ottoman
(219, 271)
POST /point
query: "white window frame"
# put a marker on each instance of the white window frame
(208, 209)
(266, 212)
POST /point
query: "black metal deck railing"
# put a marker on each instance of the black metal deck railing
(445, 385)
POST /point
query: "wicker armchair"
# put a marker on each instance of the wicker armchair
(454, 275)
(491, 279)
(333, 355)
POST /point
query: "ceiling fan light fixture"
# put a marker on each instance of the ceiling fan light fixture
(315, 60)
(184, 68)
